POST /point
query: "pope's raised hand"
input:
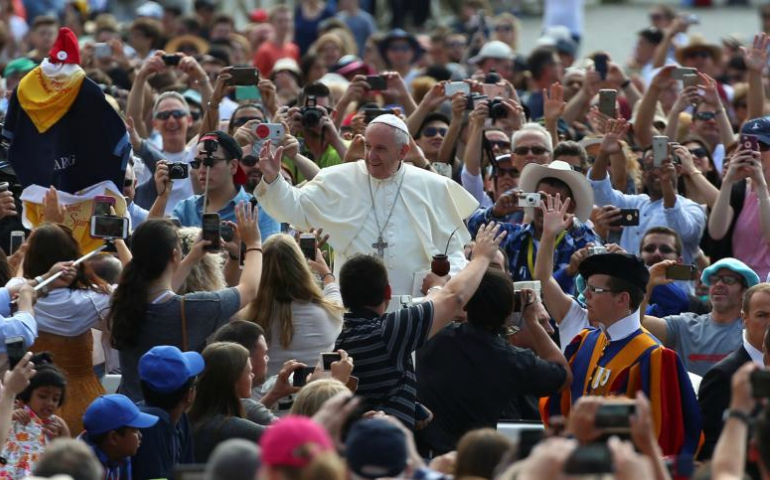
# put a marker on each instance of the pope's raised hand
(270, 163)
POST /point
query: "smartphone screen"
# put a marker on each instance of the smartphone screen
(109, 227)
(682, 272)
(607, 101)
(17, 238)
(659, 150)
(14, 347)
(102, 206)
(328, 358)
(210, 229)
(377, 82)
(307, 243)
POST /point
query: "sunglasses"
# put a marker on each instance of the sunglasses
(249, 161)
(511, 172)
(241, 121)
(504, 28)
(196, 163)
(664, 249)
(726, 279)
(705, 116)
(129, 182)
(501, 144)
(177, 114)
(400, 48)
(535, 150)
(431, 132)
(195, 116)
(699, 152)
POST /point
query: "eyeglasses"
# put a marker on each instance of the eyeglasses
(698, 54)
(699, 152)
(196, 163)
(535, 150)
(249, 160)
(726, 279)
(511, 172)
(705, 116)
(177, 114)
(501, 144)
(664, 249)
(504, 28)
(433, 131)
(128, 182)
(400, 47)
(241, 121)
(195, 115)
(577, 168)
(592, 289)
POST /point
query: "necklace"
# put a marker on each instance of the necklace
(381, 245)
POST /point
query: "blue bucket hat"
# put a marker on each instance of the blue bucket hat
(736, 266)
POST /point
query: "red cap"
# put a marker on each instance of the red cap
(66, 48)
(258, 15)
(294, 441)
(240, 177)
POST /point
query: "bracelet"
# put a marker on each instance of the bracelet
(39, 279)
(252, 249)
(323, 277)
(232, 257)
(737, 414)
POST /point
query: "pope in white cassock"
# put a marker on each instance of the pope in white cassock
(379, 205)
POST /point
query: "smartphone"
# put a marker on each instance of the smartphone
(760, 383)
(17, 238)
(327, 358)
(453, 87)
(659, 150)
(474, 100)
(102, 205)
(244, 76)
(680, 72)
(528, 440)
(600, 64)
(247, 92)
(682, 272)
(300, 376)
(607, 100)
(14, 348)
(377, 82)
(210, 229)
(307, 243)
(749, 142)
(109, 227)
(102, 50)
(690, 81)
(171, 60)
(629, 217)
(518, 304)
(226, 232)
(615, 417)
(270, 131)
(591, 459)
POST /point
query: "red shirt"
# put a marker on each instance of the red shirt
(268, 53)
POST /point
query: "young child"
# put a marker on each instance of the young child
(112, 424)
(34, 422)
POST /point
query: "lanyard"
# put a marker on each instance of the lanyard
(531, 251)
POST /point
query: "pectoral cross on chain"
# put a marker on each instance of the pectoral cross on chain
(380, 245)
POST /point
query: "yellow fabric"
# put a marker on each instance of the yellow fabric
(46, 100)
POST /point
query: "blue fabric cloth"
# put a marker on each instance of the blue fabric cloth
(120, 470)
(21, 324)
(306, 31)
(190, 213)
(137, 214)
(516, 246)
(163, 446)
(362, 25)
(669, 299)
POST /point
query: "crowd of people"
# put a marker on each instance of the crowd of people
(432, 254)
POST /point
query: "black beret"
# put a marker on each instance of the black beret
(619, 265)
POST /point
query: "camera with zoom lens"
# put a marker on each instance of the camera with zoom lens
(497, 109)
(311, 113)
(178, 170)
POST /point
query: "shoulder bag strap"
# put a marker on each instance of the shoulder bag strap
(184, 328)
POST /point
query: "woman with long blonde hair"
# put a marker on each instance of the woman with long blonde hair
(300, 320)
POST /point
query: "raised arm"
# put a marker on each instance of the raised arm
(456, 293)
(699, 189)
(210, 120)
(756, 61)
(643, 124)
(553, 108)
(711, 97)
(135, 106)
(722, 214)
(729, 460)
(449, 146)
(473, 149)
(555, 220)
(430, 102)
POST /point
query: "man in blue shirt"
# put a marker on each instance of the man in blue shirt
(522, 241)
(225, 179)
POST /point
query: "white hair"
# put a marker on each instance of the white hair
(536, 128)
(401, 137)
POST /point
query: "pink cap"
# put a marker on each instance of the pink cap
(294, 441)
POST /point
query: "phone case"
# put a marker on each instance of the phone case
(659, 150)
(607, 101)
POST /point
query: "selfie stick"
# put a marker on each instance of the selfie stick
(80, 260)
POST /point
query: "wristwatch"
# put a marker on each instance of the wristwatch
(732, 413)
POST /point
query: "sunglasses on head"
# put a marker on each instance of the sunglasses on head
(241, 121)
(664, 249)
(433, 131)
(705, 116)
(177, 114)
(535, 150)
(699, 152)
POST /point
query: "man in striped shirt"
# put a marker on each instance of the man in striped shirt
(381, 343)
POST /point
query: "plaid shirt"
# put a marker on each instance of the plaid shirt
(517, 244)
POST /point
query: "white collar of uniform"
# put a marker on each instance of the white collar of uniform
(756, 355)
(385, 181)
(624, 327)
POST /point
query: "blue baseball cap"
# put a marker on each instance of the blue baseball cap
(749, 276)
(166, 368)
(376, 448)
(759, 127)
(110, 412)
